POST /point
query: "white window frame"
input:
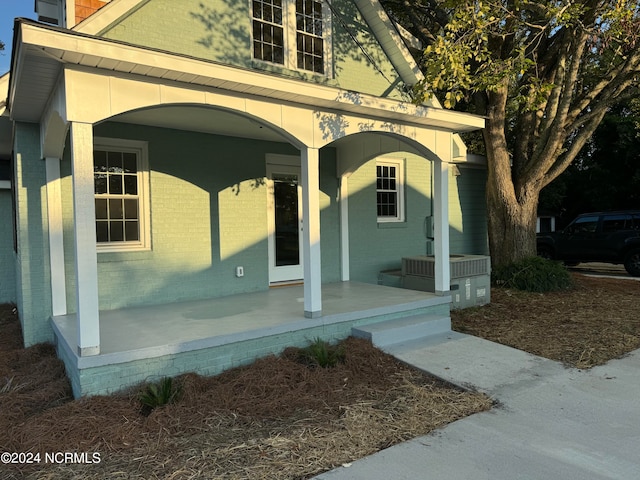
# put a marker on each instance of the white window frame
(141, 149)
(400, 182)
(290, 42)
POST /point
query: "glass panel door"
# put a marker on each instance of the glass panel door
(285, 223)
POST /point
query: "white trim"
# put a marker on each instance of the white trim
(288, 164)
(398, 163)
(84, 234)
(290, 55)
(141, 148)
(79, 50)
(311, 232)
(70, 14)
(344, 228)
(56, 238)
(443, 150)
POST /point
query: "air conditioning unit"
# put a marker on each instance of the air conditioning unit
(470, 277)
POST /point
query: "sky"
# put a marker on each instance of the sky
(9, 9)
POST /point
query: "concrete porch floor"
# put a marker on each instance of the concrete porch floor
(137, 333)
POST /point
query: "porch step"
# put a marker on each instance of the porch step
(404, 329)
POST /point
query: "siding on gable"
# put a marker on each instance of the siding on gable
(220, 31)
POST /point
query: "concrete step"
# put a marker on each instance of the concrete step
(403, 329)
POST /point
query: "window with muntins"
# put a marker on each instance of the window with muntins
(120, 184)
(291, 33)
(268, 31)
(389, 191)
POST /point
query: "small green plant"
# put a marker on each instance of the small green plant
(533, 274)
(158, 394)
(321, 354)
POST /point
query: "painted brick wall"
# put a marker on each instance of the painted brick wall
(7, 254)
(373, 246)
(33, 284)
(220, 30)
(208, 215)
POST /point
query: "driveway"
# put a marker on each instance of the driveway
(602, 270)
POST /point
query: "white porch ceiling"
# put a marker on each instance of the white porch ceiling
(200, 119)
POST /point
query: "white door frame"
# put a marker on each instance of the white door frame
(286, 164)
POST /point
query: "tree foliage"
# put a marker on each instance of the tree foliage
(606, 173)
(544, 73)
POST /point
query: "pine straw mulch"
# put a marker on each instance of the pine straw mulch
(596, 321)
(274, 419)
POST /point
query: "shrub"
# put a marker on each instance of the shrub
(321, 354)
(158, 394)
(533, 274)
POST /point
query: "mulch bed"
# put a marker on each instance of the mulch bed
(275, 419)
(587, 326)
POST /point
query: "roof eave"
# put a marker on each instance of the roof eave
(39, 43)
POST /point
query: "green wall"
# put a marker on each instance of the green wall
(380, 246)
(33, 284)
(220, 31)
(468, 211)
(208, 215)
(7, 255)
(377, 246)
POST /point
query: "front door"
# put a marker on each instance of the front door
(285, 221)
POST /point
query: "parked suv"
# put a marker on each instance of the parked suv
(609, 237)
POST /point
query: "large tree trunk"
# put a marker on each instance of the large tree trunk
(511, 205)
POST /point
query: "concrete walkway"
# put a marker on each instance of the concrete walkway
(552, 422)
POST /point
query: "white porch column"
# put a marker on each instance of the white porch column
(441, 227)
(84, 233)
(311, 232)
(56, 243)
(344, 228)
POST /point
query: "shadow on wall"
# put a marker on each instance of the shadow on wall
(226, 35)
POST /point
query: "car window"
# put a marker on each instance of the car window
(615, 223)
(584, 225)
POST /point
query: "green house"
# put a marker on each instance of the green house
(189, 185)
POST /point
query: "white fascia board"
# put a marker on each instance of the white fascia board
(390, 41)
(107, 15)
(4, 91)
(62, 45)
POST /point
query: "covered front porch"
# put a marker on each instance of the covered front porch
(209, 336)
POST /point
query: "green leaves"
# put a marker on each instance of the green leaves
(487, 43)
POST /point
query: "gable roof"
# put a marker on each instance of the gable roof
(371, 10)
(43, 50)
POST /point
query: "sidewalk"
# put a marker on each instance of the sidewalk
(551, 422)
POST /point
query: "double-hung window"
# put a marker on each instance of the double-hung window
(291, 33)
(390, 191)
(120, 176)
